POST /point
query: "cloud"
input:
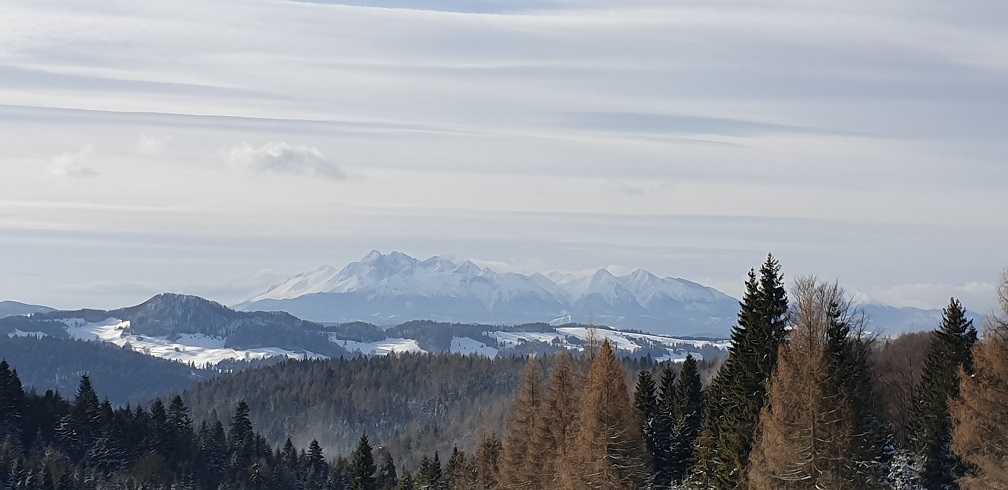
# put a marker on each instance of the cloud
(74, 163)
(151, 145)
(284, 158)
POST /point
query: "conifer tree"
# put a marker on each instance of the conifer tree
(663, 428)
(79, 428)
(609, 452)
(387, 478)
(456, 471)
(980, 414)
(741, 381)
(362, 466)
(241, 424)
(520, 464)
(646, 402)
(316, 460)
(406, 482)
(687, 419)
(950, 351)
(809, 431)
(12, 401)
(430, 473)
(487, 462)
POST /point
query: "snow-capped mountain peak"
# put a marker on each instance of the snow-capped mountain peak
(398, 287)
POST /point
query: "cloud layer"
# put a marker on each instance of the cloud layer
(854, 140)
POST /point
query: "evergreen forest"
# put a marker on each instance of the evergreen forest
(807, 398)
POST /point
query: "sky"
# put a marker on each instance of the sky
(219, 147)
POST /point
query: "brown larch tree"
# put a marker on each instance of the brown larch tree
(608, 452)
(556, 421)
(809, 432)
(520, 465)
(980, 415)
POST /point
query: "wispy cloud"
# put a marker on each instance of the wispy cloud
(284, 158)
(74, 163)
(152, 145)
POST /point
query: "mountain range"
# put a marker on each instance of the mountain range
(205, 338)
(391, 288)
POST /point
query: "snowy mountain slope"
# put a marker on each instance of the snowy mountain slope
(11, 308)
(395, 287)
(183, 328)
(190, 329)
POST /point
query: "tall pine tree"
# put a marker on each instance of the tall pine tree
(687, 418)
(12, 401)
(663, 428)
(739, 391)
(646, 402)
(362, 466)
(950, 351)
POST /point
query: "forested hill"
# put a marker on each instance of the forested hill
(411, 404)
(122, 375)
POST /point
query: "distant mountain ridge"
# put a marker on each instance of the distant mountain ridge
(203, 333)
(392, 288)
(13, 308)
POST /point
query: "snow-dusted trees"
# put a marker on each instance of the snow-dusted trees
(980, 415)
(815, 431)
(951, 350)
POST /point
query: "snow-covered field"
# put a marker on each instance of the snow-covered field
(195, 348)
(202, 349)
(379, 348)
(19, 333)
(466, 346)
(624, 341)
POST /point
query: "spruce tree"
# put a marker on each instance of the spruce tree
(741, 382)
(78, 429)
(663, 428)
(950, 351)
(241, 424)
(362, 466)
(980, 414)
(688, 412)
(12, 402)
(455, 470)
(387, 477)
(430, 473)
(646, 402)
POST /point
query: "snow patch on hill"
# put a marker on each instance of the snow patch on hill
(467, 346)
(19, 333)
(195, 348)
(380, 348)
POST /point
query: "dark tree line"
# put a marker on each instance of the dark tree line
(49, 442)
